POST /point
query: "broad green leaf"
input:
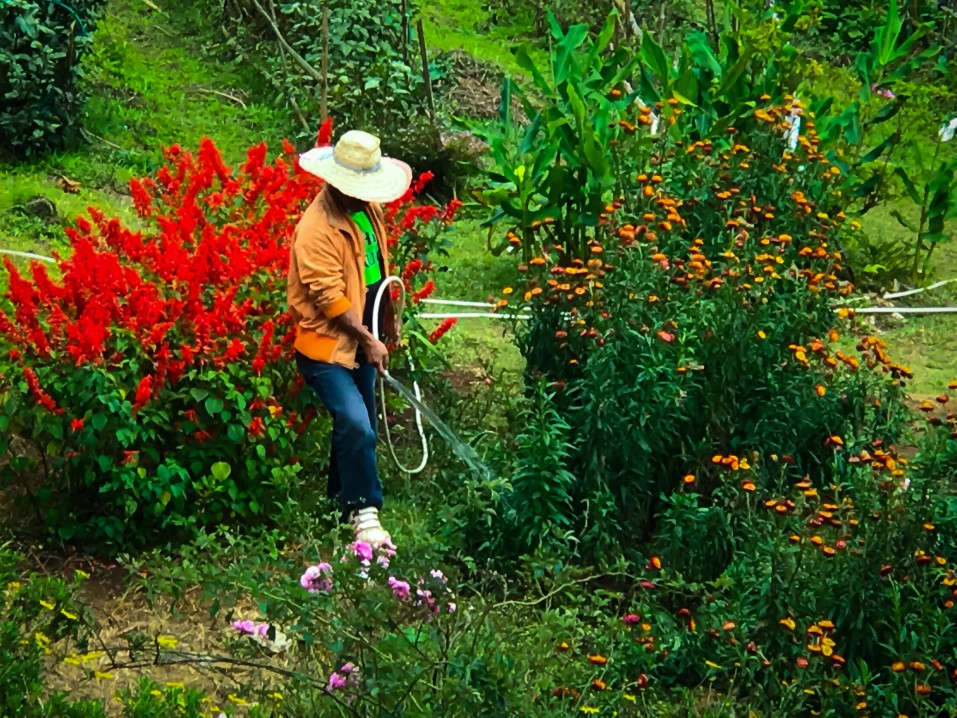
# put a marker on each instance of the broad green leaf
(876, 152)
(220, 470)
(909, 186)
(703, 55)
(564, 57)
(525, 62)
(654, 57)
(505, 104)
(601, 42)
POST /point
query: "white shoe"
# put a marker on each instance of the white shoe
(368, 529)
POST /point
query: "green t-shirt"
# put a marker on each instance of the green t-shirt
(373, 266)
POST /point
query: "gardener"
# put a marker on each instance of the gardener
(338, 261)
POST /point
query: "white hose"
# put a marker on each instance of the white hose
(27, 255)
(415, 385)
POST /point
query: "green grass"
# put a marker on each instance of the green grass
(465, 25)
(150, 87)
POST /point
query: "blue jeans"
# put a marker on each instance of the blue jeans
(349, 395)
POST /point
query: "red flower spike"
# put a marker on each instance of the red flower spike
(324, 136)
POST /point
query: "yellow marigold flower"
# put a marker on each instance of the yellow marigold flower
(762, 334)
(712, 664)
(167, 642)
(232, 697)
(47, 605)
(630, 698)
(72, 660)
(788, 623)
(103, 676)
(276, 696)
(589, 710)
(81, 574)
(66, 614)
(175, 684)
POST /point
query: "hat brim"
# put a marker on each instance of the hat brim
(386, 183)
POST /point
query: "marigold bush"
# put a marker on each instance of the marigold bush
(701, 321)
(147, 385)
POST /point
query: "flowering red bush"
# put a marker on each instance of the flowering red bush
(152, 378)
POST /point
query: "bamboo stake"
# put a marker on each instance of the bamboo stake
(425, 69)
(324, 97)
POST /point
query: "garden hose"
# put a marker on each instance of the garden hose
(416, 391)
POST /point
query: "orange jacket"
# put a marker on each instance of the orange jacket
(326, 278)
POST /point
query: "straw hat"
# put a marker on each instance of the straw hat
(356, 167)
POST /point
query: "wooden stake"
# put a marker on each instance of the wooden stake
(425, 69)
(405, 31)
(324, 97)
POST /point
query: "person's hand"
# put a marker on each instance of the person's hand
(377, 354)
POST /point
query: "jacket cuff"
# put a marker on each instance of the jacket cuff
(338, 307)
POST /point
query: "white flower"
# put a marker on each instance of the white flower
(947, 131)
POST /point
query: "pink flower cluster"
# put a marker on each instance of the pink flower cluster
(425, 592)
(318, 578)
(251, 628)
(345, 676)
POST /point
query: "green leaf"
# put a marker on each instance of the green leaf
(903, 222)
(909, 186)
(214, 406)
(220, 470)
(564, 57)
(654, 58)
(703, 55)
(876, 152)
(603, 39)
(505, 104)
(98, 421)
(198, 394)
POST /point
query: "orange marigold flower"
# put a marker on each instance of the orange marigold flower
(597, 659)
(656, 562)
(820, 389)
(922, 689)
(689, 479)
(898, 667)
(748, 486)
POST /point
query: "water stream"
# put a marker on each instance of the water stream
(460, 448)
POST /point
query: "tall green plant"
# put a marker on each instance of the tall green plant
(870, 139)
(552, 177)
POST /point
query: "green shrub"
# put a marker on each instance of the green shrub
(41, 93)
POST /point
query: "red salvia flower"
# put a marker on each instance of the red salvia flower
(442, 330)
(76, 425)
(324, 138)
(144, 390)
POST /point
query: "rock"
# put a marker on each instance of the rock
(39, 206)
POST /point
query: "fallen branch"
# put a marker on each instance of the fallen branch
(225, 95)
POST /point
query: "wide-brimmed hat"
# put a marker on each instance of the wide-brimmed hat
(355, 166)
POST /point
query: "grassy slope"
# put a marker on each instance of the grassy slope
(152, 87)
(149, 88)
